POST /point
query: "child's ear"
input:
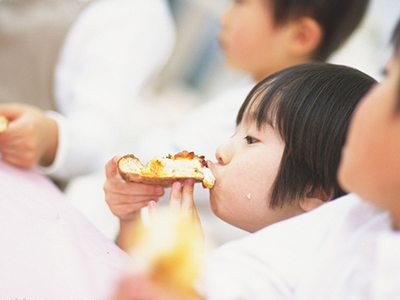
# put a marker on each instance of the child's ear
(313, 200)
(307, 35)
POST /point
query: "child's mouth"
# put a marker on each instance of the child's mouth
(210, 166)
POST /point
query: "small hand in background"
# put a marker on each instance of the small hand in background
(31, 137)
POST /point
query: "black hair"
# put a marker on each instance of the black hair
(310, 107)
(337, 18)
(396, 43)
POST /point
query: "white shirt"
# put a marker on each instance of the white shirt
(364, 267)
(386, 266)
(111, 51)
(368, 270)
(280, 260)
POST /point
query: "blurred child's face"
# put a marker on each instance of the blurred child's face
(249, 39)
(247, 167)
(370, 163)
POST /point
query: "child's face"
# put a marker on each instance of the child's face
(370, 163)
(249, 39)
(247, 167)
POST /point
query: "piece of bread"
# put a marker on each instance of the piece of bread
(166, 170)
(3, 124)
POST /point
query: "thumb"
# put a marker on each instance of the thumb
(112, 167)
(11, 111)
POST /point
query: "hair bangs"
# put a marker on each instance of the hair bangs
(261, 106)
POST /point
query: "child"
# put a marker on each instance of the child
(261, 37)
(258, 37)
(283, 158)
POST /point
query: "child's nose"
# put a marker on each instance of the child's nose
(222, 154)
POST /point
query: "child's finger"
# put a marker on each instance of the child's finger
(153, 211)
(189, 210)
(111, 167)
(187, 203)
(11, 111)
(175, 198)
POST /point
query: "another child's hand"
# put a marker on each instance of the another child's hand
(125, 199)
(31, 138)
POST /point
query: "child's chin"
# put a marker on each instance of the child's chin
(213, 203)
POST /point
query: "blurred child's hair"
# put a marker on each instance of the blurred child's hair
(396, 39)
(309, 105)
(337, 18)
(396, 44)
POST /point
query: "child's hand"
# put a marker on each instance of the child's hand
(181, 200)
(181, 203)
(31, 138)
(125, 199)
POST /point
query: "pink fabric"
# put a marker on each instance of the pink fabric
(48, 250)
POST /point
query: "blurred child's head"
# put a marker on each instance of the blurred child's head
(284, 155)
(370, 165)
(261, 37)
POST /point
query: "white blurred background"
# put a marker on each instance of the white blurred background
(196, 73)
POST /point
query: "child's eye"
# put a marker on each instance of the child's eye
(250, 140)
